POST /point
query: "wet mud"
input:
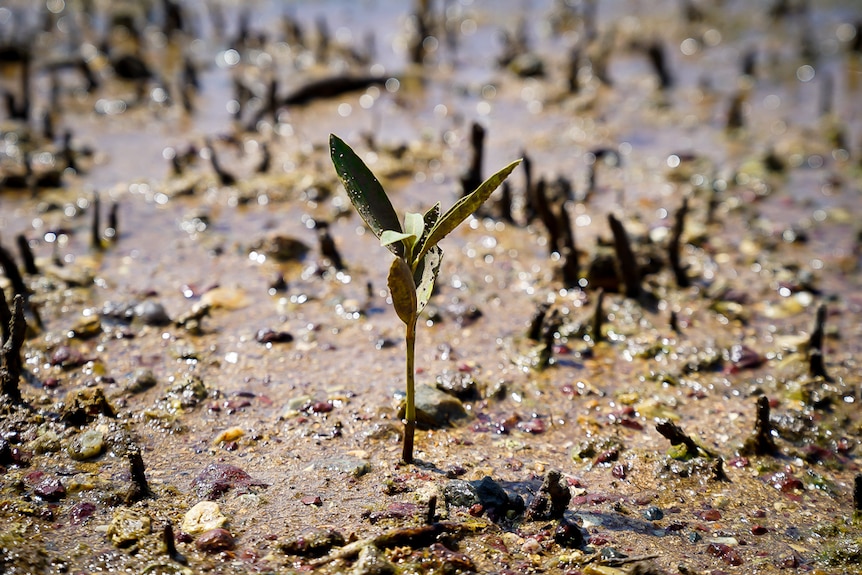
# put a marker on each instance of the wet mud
(641, 355)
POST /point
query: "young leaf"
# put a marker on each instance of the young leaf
(403, 290)
(414, 224)
(391, 236)
(463, 208)
(426, 275)
(431, 217)
(365, 192)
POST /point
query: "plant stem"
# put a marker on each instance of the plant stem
(410, 408)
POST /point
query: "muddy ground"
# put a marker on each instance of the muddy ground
(206, 344)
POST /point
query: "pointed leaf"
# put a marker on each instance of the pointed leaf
(464, 207)
(414, 224)
(426, 275)
(403, 290)
(390, 237)
(364, 191)
(431, 217)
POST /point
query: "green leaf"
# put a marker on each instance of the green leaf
(414, 224)
(426, 275)
(403, 290)
(431, 217)
(391, 236)
(463, 208)
(365, 191)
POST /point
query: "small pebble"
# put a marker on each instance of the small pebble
(205, 516)
(86, 445)
(127, 527)
(228, 435)
(530, 546)
(759, 530)
(653, 513)
(215, 541)
(271, 336)
(141, 380)
(152, 313)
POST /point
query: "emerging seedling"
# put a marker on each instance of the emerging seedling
(417, 256)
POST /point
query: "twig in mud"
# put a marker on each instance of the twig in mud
(112, 231)
(569, 250)
(598, 317)
(762, 442)
(472, 178)
(735, 116)
(674, 322)
(620, 561)
(415, 537)
(96, 223)
(573, 68)
(816, 366)
(857, 493)
(431, 514)
(225, 178)
(625, 259)
(656, 55)
(534, 333)
(529, 203)
(674, 433)
(170, 545)
(10, 352)
(26, 255)
(679, 271)
(331, 87)
(327, 246)
(546, 215)
(11, 269)
(504, 205)
(265, 159)
(138, 472)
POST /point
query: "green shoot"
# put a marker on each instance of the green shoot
(417, 256)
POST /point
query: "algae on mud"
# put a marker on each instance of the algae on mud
(764, 147)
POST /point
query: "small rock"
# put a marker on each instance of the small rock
(228, 435)
(218, 478)
(492, 495)
(81, 512)
(568, 534)
(127, 527)
(282, 248)
(436, 409)
(67, 357)
(270, 336)
(460, 493)
(87, 327)
(141, 380)
(372, 562)
(552, 499)
(86, 445)
(527, 65)
(313, 544)
(215, 541)
(205, 516)
(48, 487)
(85, 405)
(353, 466)
(152, 313)
(653, 513)
(458, 383)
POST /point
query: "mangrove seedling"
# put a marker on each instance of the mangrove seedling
(417, 255)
